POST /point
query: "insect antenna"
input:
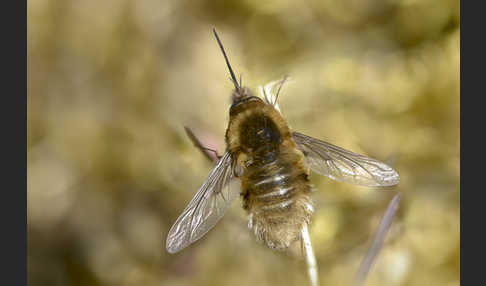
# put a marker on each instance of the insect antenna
(233, 77)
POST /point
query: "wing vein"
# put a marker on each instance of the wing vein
(343, 165)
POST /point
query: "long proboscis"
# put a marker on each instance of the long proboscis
(233, 77)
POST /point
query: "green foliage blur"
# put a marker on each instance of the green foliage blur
(111, 84)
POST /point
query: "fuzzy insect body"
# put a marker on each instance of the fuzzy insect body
(267, 165)
(274, 177)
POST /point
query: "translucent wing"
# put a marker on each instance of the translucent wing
(206, 208)
(343, 165)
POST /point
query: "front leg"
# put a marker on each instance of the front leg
(197, 143)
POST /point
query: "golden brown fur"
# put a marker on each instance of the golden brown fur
(274, 177)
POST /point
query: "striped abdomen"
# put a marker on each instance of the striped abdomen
(273, 175)
(276, 195)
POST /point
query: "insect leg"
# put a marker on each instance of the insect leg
(377, 242)
(309, 256)
(197, 143)
(279, 87)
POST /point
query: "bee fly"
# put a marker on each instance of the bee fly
(272, 164)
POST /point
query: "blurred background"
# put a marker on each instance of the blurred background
(112, 83)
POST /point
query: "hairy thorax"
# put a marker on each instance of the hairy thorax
(274, 178)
